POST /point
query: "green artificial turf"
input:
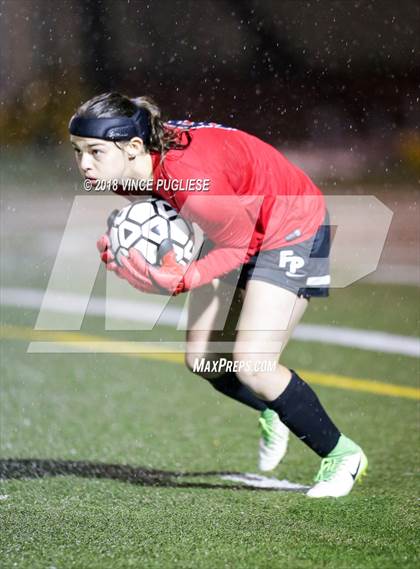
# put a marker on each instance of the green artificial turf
(116, 430)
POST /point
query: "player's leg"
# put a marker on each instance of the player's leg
(206, 308)
(210, 308)
(263, 329)
(274, 434)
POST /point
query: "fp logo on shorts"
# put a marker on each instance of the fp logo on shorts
(294, 261)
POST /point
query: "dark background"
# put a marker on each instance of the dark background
(315, 74)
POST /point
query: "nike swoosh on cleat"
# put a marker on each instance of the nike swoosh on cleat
(357, 470)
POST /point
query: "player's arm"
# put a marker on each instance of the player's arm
(225, 221)
(228, 225)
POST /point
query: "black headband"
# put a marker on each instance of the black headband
(113, 128)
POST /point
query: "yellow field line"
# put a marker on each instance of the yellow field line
(94, 343)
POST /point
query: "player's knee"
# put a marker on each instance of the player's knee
(255, 373)
(254, 381)
(191, 361)
(246, 372)
(203, 365)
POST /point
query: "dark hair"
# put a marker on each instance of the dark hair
(162, 138)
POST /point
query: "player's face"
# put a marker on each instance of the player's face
(99, 159)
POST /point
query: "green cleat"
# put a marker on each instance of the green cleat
(273, 441)
(345, 465)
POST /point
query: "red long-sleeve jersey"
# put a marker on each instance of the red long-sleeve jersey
(256, 198)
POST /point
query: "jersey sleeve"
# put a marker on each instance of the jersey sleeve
(227, 223)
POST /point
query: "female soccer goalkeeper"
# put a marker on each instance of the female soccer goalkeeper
(265, 256)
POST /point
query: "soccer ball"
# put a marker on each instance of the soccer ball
(151, 226)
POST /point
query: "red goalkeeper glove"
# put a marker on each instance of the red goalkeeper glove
(168, 278)
(104, 247)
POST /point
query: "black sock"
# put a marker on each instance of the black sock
(300, 409)
(229, 385)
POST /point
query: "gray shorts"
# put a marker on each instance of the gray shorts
(302, 268)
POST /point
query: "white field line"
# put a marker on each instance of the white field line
(258, 481)
(143, 312)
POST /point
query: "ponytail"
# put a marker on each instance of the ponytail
(162, 138)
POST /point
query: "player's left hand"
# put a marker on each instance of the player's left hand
(104, 247)
(168, 278)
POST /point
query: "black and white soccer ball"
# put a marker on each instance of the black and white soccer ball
(151, 226)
